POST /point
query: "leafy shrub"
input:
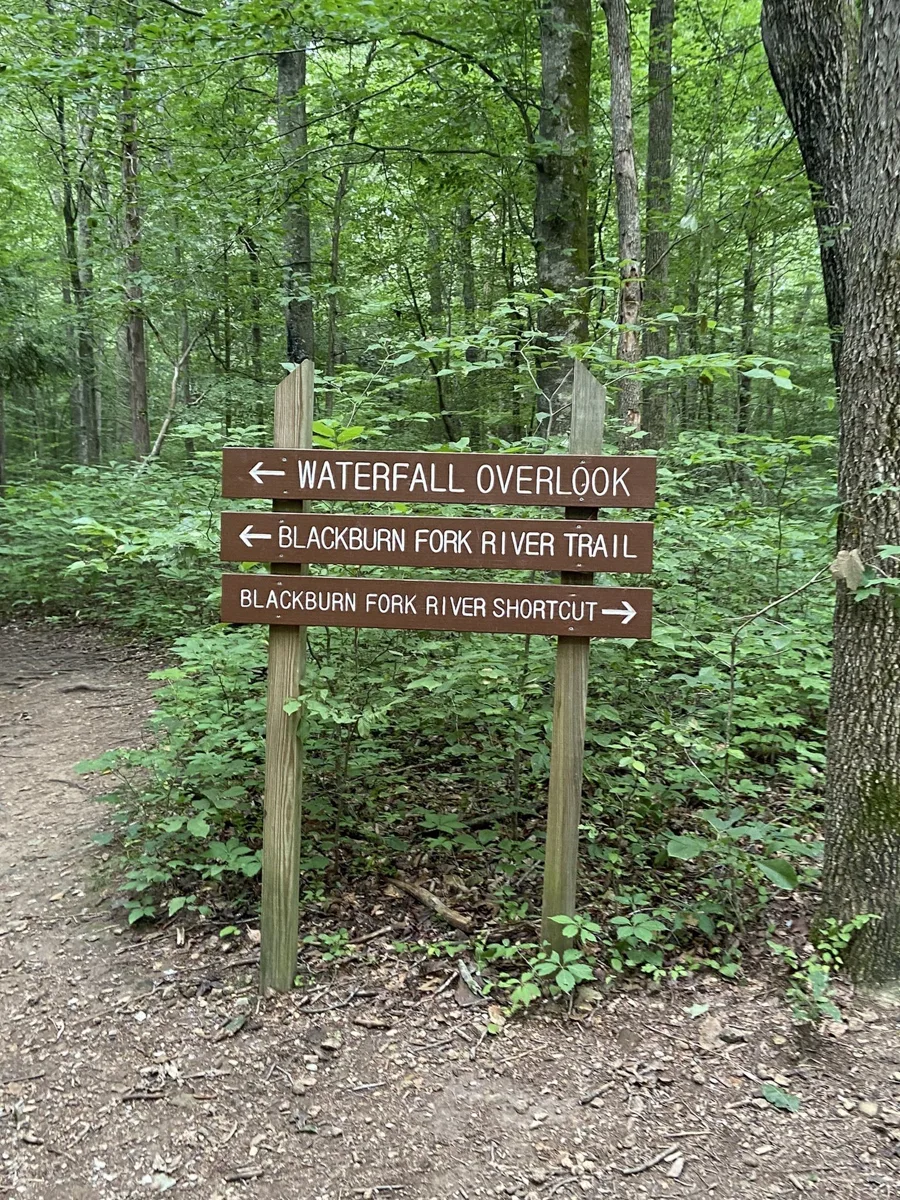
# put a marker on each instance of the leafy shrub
(704, 745)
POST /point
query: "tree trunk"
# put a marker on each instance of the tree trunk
(185, 344)
(862, 857)
(134, 292)
(561, 196)
(748, 330)
(292, 130)
(256, 338)
(466, 386)
(81, 396)
(2, 438)
(809, 44)
(627, 209)
(659, 205)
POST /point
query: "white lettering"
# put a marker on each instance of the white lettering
(543, 475)
(600, 489)
(306, 473)
(581, 481)
(619, 480)
(523, 476)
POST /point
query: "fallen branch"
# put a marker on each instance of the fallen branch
(450, 915)
(599, 1091)
(651, 1162)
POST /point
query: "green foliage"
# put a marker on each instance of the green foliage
(779, 1098)
(811, 989)
(700, 780)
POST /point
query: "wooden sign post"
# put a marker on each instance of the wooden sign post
(573, 656)
(292, 474)
(279, 915)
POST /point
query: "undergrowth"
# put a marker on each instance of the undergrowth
(427, 754)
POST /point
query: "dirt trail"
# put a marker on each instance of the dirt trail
(131, 1066)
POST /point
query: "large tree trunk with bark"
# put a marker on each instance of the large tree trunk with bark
(810, 47)
(862, 862)
(292, 129)
(135, 335)
(627, 210)
(561, 195)
(839, 84)
(658, 198)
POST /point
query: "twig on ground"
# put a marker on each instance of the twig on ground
(450, 915)
(560, 1183)
(599, 1091)
(333, 1007)
(651, 1162)
(370, 937)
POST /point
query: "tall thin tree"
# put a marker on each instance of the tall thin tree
(135, 333)
(292, 129)
(561, 196)
(627, 210)
(658, 202)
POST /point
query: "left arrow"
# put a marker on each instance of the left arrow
(248, 537)
(257, 473)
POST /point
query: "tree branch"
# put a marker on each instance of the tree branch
(520, 104)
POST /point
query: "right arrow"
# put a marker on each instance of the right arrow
(626, 612)
(257, 472)
(248, 537)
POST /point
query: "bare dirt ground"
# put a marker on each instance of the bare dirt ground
(131, 1065)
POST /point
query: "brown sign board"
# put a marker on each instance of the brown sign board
(572, 480)
(482, 544)
(423, 604)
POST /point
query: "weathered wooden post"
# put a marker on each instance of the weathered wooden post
(284, 753)
(570, 696)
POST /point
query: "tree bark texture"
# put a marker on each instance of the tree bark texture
(627, 210)
(135, 334)
(561, 196)
(658, 194)
(862, 860)
(292, 130)
(810, 45)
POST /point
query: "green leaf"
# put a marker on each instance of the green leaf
(198, 826)
(779, 872)
(686, 847)
(779, 1098)
(565, 980)
(176, 904)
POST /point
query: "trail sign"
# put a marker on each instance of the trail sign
(477, 543)
(287, 600)
(587, 481)
(425, 604)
